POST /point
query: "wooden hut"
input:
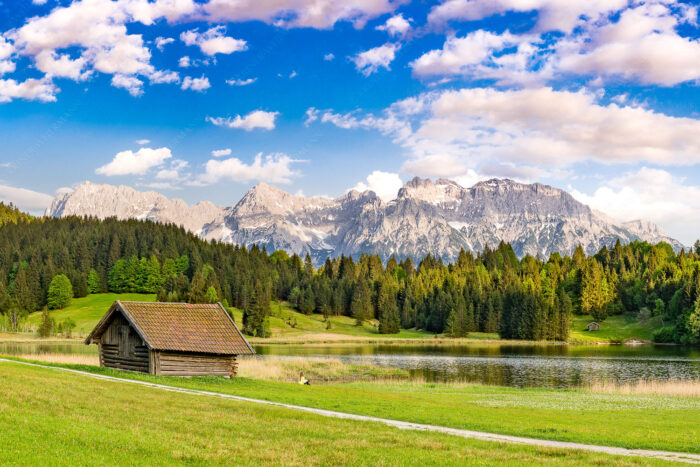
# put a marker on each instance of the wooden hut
(175, 339)
(593, 326)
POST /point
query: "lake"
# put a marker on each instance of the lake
(545, 365)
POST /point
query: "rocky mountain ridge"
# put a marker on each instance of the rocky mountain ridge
(438, 217)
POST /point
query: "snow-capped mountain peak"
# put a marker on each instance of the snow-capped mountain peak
(438, 217)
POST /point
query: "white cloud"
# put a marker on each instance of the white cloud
(328, 57)
(241, 82)
(552, 15)
(31, 89)
(184, 62)
(385, 184)
(61, 66)
(135, 163)
(292, 74)
(164, 76)
(311, 115)
(481, 54)
(213, 41)
(371, 60)
(641, 45)
(172, 173)
(142, 142)
(129, 82)
(255, 119)
(397, 25)
(96, 31)
(196, 84)
(161, 42)
(26, 200)
(650, 194)
(319, 14)
(516, 130)
(275, 168)
(221, 152)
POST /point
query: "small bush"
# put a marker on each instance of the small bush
(664, 335)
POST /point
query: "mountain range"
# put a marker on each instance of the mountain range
(438, 217)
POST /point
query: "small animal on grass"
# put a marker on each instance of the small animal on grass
(303, 380)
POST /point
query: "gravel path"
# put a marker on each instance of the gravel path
(663, 455)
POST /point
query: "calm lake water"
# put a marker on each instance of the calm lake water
(516, 365)
(507, 365)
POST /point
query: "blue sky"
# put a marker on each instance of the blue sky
(599, 97)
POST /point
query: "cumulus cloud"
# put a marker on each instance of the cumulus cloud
(370, 61)
(142, 142)
(241, 82)
(251, 121)
(221, 152)
(129, 82)
(631, 41)
(319, 14)
(31, 89)
(552, 15)
(515, 131)
(328, 57)
(61, 65)
(650, 194)
(275, 168)
(135, 163)
(643, 45)
(213, 41)
(161, 42)
(96, 31)
(395, 26)
(506, 58)
(196, 84)
(385, 184)
(173, 172)
(26, 200)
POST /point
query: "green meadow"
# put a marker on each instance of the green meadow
(641, 421)
(288, 325)
(82, 421)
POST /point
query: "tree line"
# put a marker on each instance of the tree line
(492, 291)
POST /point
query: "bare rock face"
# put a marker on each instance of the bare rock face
(439, 217)
(122, 202)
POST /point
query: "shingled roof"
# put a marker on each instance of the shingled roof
(181, 327)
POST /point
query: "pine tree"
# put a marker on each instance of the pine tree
(47, 324)
(93, 282)
(361, 306)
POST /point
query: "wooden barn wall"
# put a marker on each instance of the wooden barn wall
(187, 364)
(121, 347)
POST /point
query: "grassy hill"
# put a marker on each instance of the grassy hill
(614, 329)
(286, 324)
(87, 311)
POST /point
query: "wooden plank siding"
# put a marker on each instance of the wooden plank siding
(189, 364)
(122, 348)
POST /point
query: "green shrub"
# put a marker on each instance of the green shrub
(60, 292)
(664, 335)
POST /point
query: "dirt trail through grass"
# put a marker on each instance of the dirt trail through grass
(662, 455)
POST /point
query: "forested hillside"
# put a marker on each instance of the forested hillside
(9, 213)
(530, 298)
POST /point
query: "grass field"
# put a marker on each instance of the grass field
(290, 326)
(81, 421)
(87, 311)
(614, 329)
(626, 420)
